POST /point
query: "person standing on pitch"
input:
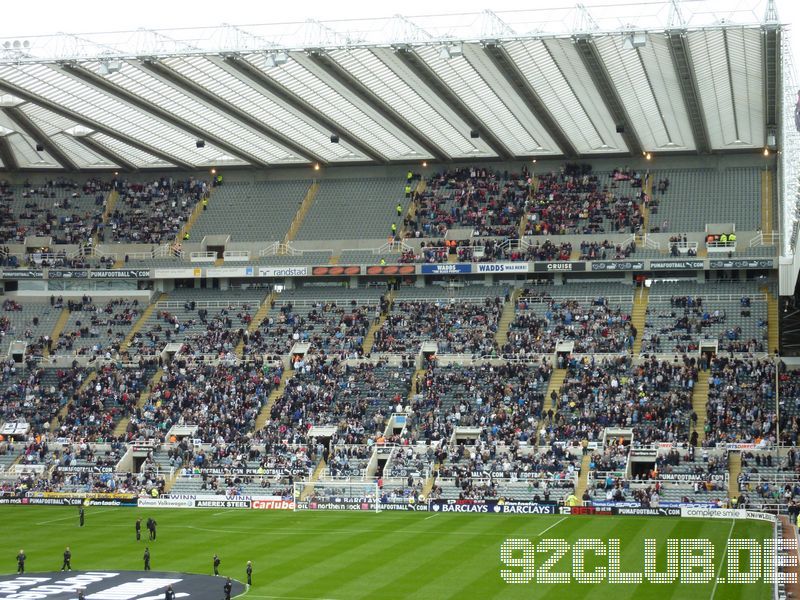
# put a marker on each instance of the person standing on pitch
(146, 559)
(227, 588)
(249, 573)
(216, 565)
(138, 529)
(67, 566)
(21, 562)
(80, 515)
(153, 530)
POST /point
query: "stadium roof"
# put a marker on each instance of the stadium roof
(536, 83)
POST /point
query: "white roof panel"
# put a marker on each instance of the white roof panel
(558, 76)
(24, 149)
(647, 106)
(304, 80)
(367, 66)
(50, 83)
(84, 157)
(462, 78)
(183, 106)
(211, 74)
(732, 98)
(129, 153)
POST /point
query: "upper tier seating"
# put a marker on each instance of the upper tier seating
(576, 200)
(353, 209)
(251, 212)
(695, 197)
(69, 212)
(482, 201)
(153, 212)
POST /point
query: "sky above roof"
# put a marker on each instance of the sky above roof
(53, 16)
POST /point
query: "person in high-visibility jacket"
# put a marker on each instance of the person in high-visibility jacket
(399, 209)
(408, 191)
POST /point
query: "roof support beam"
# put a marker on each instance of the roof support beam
(107, 153)
(223, 106)
(440, 88)
(681, 60)
(91, 124)
(772, 76)
(256, 76)
(608, 92)
(107, 87)
(508, 68)
(32, 129)
(362, 92)
(7, 155)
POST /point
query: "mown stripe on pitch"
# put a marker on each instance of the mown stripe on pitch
(310, 565)
(482, 563)
(443, 563)
(371, 567)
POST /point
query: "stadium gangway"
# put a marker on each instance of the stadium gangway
(318, 302)
(615, 299)
(208, 303)
(765, 239)
(236, 255)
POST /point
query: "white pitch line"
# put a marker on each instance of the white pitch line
(722, 560)
(94, 515)
(561, 520)
(433, 515)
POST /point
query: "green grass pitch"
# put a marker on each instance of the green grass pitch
(350, 556)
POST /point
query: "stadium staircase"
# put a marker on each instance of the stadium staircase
(648, 189)
(766, 205)
(699, 401)
(772, 320)
(196, 212)
(418, 374)
(583, 479)
(111, 204)
(639, 316)
(302, 211)
(63, 412)
(140, 322)
(509, 311)
(263, 415)
(58, 329)
(309, 489)
(258, 318)
(734, 468)
(122, 426)
(412, 208)
(556, 381)
(369, 338)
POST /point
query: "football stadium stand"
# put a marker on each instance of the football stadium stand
(541, 309)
